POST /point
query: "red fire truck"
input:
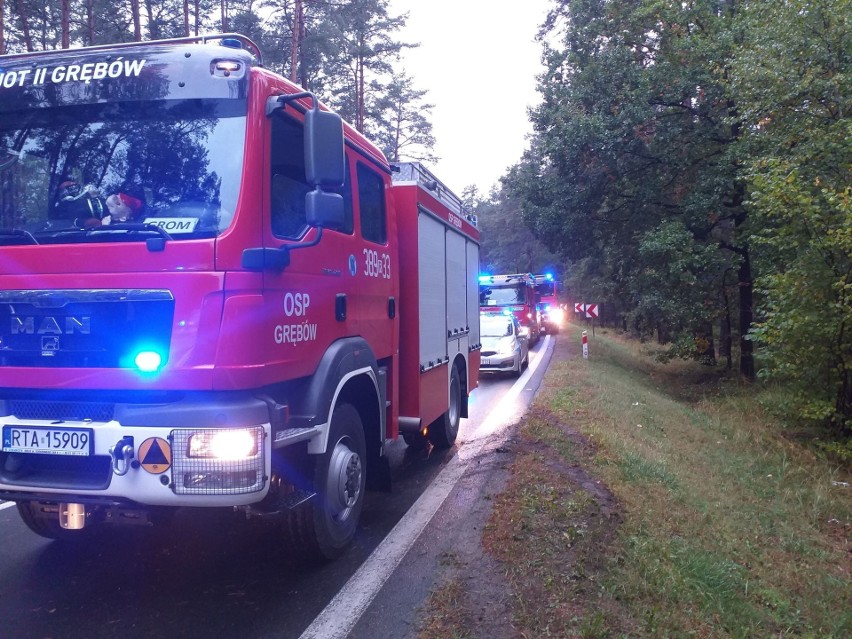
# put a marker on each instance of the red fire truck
(514, 293)
(215, 293)
(552, 314)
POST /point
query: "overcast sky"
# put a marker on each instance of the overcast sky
(478, 60)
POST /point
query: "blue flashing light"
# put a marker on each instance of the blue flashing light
(548, 276)
(231, 43)
(484, 278)
(148, 361)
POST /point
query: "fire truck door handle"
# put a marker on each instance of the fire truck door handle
(340, 307)
(391, 307)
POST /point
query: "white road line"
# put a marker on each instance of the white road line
(342, 613)
(6, 504)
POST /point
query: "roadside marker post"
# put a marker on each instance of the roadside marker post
(585, 345)
(591, 313)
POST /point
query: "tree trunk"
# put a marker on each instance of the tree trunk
(706, 347)
(2, 29)
(224, 10)
(725, 337)
(186, 17)
(360, 96)
(303, 71)
(296, 41)
(65, 22)
(725, 326)
(21, 10)
(137, 20)
(746, 316)
(90, 22)
(197, 17)
(844, 402)
(153, 28)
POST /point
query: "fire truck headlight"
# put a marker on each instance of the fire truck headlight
(225, 445)
(557, 315)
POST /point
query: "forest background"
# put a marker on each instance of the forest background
(689, 169)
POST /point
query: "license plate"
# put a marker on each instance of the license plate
(486, 361)
(51, 441)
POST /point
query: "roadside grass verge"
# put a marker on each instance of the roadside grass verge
(447, 619)
(655, 500)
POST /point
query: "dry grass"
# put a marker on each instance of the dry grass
(446, 618)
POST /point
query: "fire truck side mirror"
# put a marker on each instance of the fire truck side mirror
(324, 209)
(324, 154)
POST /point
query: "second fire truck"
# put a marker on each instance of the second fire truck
(514, 293)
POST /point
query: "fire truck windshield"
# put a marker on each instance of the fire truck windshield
(545, 289)
(502, 295)
(175, 164)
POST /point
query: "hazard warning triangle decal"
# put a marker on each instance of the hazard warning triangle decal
(155, 455)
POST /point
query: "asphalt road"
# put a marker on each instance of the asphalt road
(210, 574)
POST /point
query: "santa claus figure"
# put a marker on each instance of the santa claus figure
(122, 208)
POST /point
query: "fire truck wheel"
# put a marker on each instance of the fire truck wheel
(48, 526)
(444, 430)
(339, 480)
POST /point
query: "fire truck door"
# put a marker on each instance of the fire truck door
(374, 266)
(306, 302)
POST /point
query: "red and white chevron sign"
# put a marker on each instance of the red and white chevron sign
(591, 310)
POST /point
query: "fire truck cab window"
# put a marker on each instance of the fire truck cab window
(288, 185)
(371, 196)
(287, 182)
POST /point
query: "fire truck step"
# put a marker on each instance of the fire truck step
(290, 436)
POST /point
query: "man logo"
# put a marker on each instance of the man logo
(48, 325)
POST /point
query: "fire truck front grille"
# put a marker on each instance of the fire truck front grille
(83, 328)
(56, 471)
(61, 410)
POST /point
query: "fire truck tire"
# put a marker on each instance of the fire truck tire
(47, 527)
(444, 430)
(339, 481)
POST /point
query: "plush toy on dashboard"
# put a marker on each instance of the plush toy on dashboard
(122, 208)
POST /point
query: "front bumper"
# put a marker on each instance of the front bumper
(498, 363)
(147, 464)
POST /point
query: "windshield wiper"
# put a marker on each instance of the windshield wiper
(117, 232)
(133, 228)
(12, 237)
